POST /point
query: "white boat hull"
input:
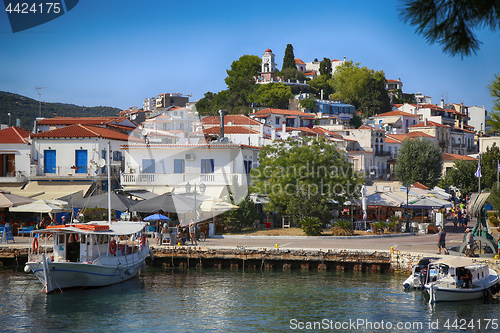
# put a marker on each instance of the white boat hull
(65, 275)
(449, 292)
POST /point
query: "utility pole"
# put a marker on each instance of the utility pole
(39, 91)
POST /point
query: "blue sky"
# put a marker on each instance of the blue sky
(118, 52)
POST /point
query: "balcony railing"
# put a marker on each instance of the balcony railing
(171, 179)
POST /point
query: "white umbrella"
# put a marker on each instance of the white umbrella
(12, 200)
(39, 206)
(217, 205)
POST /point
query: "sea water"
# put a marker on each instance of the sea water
(194, 300)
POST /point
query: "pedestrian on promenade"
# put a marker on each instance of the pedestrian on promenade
(442, 240)
(469, 240)
(455, 222)
(192, 232)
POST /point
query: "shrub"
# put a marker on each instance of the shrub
(312, 226)
(494, 221)
(342, 228)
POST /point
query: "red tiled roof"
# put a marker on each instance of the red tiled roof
(391, 80)
(268, 50)
(310, 73)
(298, 61)
(321, 130)
(269, 111)
(430, 123)
(454, 157)
(420, 185)
(77, 120)
(235, 119)
(388, 139)
(396, 113)
(230, 130)
(14, 135)
(402, 137)
(366, 127)
(82, 131)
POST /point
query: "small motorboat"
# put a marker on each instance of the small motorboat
(87, 254)
(459, 279)
(419, 274)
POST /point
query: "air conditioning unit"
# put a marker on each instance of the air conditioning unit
(189, 157)
(33, 170)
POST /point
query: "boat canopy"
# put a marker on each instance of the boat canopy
(455, 262)
(115, 228)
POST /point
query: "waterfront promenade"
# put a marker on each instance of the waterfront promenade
(424, 243)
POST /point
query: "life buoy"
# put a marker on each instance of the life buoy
(35, 244)
(143, 240)
(71, 238)
(112, 247)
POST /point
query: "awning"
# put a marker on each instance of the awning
(390, 120)
(54, 190)
(143, 194)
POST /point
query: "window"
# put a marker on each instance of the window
(179, 166)
(406, 122)
(207, 165)
(278, 119)
(414, 122)
(148, 166)
(248, 166)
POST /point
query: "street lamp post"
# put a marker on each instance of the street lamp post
(202, 188)
(407, 211)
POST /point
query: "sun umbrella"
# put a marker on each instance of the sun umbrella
(39, 206)
(118, 202)
(12, 200)
(216, 205)
(167, 202)
(157, 217)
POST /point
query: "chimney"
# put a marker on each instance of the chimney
(261, 135)
(344, 59)
(442, 103)
(221, 128)
(425, 121)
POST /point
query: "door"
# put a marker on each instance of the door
(49, 161)
(81, 161)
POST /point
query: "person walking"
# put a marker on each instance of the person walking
(442, 241)
(192, 232)
(469, 239)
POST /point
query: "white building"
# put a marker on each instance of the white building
(168, 168)
(15, 157)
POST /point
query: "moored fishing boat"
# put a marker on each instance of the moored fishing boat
(87, 254)
(419, 274)
(459, 279)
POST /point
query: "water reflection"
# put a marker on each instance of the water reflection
(223, 301)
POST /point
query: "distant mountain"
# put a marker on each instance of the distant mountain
(27, 110)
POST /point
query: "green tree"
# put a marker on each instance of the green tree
(461, 176)
(325, 67)
(308, 103)
(292, 74)
(302, 176)
(356, 121)
(289, 58)
(240, 81)
(362, 87)
(494, 89)
(321, 83)
(451, 23)
(274, 95)
(489, 166)
(419, 160)
(211, 103)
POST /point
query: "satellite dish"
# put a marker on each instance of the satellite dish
(132, 117)
(101, 162)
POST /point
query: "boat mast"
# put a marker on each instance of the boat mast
(109, 181)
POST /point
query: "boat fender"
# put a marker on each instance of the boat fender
(130, 271)
(35, 244)
(112, 247)
(151, 254)
(122, 275)
(27, 269)
(486, 293)
(492, 290)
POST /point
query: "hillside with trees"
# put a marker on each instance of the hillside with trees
(27, 110)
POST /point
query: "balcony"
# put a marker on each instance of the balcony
(172, 179)
(382, 153)
(14, 177)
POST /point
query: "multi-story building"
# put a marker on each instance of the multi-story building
(15, 157)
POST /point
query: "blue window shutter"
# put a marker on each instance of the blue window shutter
(81, 161)
(49, 161)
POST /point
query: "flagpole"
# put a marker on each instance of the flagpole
(498, 169)
(479, 175)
